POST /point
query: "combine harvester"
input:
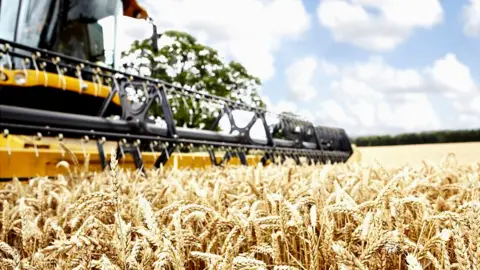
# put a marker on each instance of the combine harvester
(60, 97)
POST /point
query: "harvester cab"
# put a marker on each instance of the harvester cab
(61, 83)
(83, 30)
(70, 27)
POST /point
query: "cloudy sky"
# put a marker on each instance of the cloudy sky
(369, 66)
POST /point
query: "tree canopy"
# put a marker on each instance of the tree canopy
(182, 61)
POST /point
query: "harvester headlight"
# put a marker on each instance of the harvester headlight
(3, 76)
(20, 78)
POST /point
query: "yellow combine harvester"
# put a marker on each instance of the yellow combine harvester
(62, 94)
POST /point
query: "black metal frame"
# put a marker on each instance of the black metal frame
(134, 132)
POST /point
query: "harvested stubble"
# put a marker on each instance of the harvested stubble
(291, 217)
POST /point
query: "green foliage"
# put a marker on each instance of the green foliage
(444, 136)
(184, 62)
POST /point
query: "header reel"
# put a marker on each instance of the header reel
(82, 97)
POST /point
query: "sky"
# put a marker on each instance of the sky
(369, 66)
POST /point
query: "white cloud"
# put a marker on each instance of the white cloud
(474, 105)
(300, 75)
(331, 113)
(365, 111)
(354, 22)
(327, 68)
(469, 121)
(453, 76)
(374, 97)
(468, 111)
(471, 18)
(413, 114)
(249, 31)
(284, 106)
(355, 88)
(374, 78)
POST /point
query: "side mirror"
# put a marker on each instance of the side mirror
(155, 35)
(155, 38)
(97, 49)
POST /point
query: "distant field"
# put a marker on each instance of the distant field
(414, 154)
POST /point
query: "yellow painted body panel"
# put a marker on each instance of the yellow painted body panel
(18, 157)
(53, 80)
(21, 157)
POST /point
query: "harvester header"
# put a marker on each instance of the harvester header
(55, 85)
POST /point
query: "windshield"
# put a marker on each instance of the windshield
(89, 30)
(8, 18)
(31, 16)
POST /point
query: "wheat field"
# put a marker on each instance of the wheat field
(413, 155)
(347, 216)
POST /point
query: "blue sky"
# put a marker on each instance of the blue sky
(370, 66)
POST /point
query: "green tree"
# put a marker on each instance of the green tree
(440, 136)
(183, 61)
